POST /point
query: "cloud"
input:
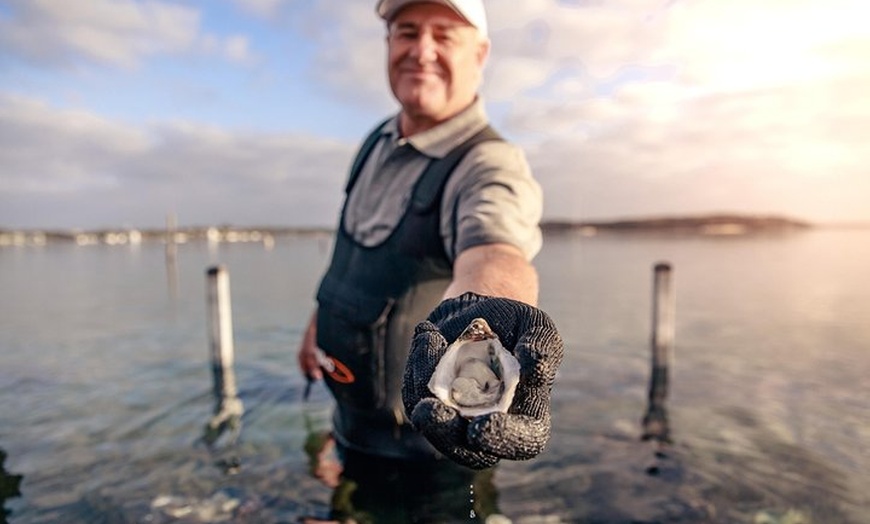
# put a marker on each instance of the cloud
(117, 33)
(350, 52)
(101, 171)
(82, 146)
(689, 106)
(235, 48)
(263, 8)
(751, 45)
(659, 149)
(624, 107)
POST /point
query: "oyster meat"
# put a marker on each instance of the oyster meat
(476, 375)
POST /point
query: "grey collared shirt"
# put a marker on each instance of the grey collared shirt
(491, 193)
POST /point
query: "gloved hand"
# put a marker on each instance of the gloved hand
(480, 442)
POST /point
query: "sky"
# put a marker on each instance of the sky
(116, 113)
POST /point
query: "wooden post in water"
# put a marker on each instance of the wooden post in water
(228, 407)
(221, 331)
(655, 422)
(171, 255)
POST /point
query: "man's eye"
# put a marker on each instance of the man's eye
(406, 34)
(445, 38)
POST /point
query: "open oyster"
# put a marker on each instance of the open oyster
(476, 375)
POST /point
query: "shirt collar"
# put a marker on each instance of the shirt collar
(444, 137)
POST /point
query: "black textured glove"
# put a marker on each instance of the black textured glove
(480, 442)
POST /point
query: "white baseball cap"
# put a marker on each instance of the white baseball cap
(471, 10)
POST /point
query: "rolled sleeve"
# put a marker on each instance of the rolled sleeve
(492, 198)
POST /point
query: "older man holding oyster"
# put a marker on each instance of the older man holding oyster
(438, 229)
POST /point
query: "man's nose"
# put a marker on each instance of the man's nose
(425, 48)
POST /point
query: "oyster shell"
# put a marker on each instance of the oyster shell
(476, 375)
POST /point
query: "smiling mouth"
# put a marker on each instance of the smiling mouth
(419, 73)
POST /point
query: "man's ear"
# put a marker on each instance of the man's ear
(483, 51)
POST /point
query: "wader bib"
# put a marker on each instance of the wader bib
(369, 302)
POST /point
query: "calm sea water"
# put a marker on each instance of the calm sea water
(105, 384)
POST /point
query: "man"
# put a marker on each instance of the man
(438, 210)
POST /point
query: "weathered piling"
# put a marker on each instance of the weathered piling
(228, 407)
(10, 485)
(171, 255)
(655, 421)
(221, 331)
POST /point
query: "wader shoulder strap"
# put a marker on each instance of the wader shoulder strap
(363, 154)
(432, 181)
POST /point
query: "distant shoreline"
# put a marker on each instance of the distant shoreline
(177, 235)
(722, 224)
(713, 224)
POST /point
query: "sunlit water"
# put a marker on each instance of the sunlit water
(105, 383)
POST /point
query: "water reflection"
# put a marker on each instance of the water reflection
(383, 490)
(221, 432)
(9, 487)
(767, 405)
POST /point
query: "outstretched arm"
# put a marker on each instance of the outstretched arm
(498, 270)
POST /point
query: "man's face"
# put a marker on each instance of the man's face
(435, 61)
